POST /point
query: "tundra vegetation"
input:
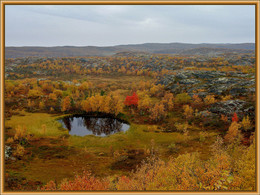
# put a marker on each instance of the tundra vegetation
(192, 122)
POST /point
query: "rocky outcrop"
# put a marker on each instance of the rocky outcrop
(229, 107)
(210, 82)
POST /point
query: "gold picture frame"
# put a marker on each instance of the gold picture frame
(129, 2)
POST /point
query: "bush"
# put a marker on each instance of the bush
(246, 124)
(80, 182)
(172, 147)
(188, 111)
(209, 99)
(20, 132)
(182, 98)
(19, 152)
(186, 172)
(10, 140)
(233, 133)
(181, 127)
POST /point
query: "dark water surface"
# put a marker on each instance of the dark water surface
(86, 125)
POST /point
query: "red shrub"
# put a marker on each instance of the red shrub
(131, 100)
(235, 118)
(80, 182)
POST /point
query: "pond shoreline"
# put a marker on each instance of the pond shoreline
(98, 124)
(120, 117)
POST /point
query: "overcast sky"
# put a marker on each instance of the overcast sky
(107, 25)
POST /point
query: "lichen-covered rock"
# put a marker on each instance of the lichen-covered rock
(238, 91)
(211, 82)
(189, 81)
(229, 107)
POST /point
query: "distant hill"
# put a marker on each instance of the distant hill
(160, 48)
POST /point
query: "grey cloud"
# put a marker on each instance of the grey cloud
(111, 25)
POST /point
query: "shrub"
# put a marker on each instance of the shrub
(186, 172)
(246, 168)
(188, 111)
(224, 118)
(158, 112)
(80, 182)
(233, 132)
(209, 99)
(196, 100)
(181, 127)
(10, 140)
(131, 100)
(246, 124)
(20, 132)
(172, 147)
(235, 118)
(227, 97)
(19, 152)
(182, 98)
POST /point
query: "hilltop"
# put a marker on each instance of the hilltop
(155, 48)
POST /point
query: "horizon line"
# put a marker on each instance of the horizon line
(130, 44)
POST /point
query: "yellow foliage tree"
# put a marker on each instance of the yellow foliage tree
(157, 112)
(65, 106)
(246, 168)
(246, 124)
(196, 100)
(188, 111)
(53, 96)
(144, 104)
(168, 101)
(209, 99)
(233, 132)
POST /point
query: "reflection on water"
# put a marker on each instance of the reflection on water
(83, 125)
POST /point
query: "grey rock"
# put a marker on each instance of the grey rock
(181, 76)
(228, 108)
(189, 81)
(238, 91)
(225, 80)
(208, 74)
(237, 74)
(176, 88)
(218, 89)
(247, 83)
(8, 152)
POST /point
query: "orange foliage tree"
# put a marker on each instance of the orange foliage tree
(233, 132)
(66, 104)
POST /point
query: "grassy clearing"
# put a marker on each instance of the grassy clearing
(116, 79)
(34, 124)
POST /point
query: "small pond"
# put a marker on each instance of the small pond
(90, 125)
